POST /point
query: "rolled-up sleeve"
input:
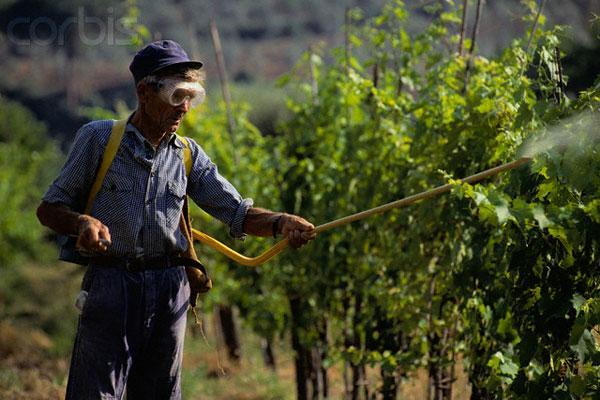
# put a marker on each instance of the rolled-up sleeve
(77, 174)
(215, 194)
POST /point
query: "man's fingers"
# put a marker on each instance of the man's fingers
(103, 244)
(104, 238)
(297, 230)
(89, 239)
(310, 235)
(297, 223)
(307, 226)
(105, 234)
(94, 236)
(299, 238)
(292, 238)
(303, 225)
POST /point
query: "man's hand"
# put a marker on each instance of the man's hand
(262, 222)
(296, 229)
(93, 234)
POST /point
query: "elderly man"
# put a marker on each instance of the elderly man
(132, 322)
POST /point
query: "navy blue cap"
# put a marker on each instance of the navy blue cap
(159, 55)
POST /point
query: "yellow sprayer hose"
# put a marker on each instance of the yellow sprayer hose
(281, 245)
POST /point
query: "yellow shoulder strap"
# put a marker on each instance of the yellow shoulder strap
(187, 155)
(116, 135)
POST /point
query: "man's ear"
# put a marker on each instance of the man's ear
(142, 91)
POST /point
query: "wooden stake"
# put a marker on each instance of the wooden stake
(375, 75)
(313, 77)
(476, 27)
(561, 82)
(214, 33)
(463, 28)
(347, 41)
(347, 21)
(535, 24)
(473, 41)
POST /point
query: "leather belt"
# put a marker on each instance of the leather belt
(145, 263)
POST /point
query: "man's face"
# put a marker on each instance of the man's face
(162, 114)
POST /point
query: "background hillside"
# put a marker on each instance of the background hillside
(58, 57)
(490, 291)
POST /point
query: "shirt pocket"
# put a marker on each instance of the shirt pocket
(114, 202)
(176, 192)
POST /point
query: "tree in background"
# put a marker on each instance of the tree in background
(28, 158)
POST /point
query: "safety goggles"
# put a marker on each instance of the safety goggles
(177, 91)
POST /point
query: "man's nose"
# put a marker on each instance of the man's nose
(185, 106)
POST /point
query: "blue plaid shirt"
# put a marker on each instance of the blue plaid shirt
(142, 194)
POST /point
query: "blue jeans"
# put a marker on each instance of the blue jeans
(130, 335)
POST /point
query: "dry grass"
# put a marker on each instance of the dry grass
(26, 371)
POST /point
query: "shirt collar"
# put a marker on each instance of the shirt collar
(176, 140)
(172, 138)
